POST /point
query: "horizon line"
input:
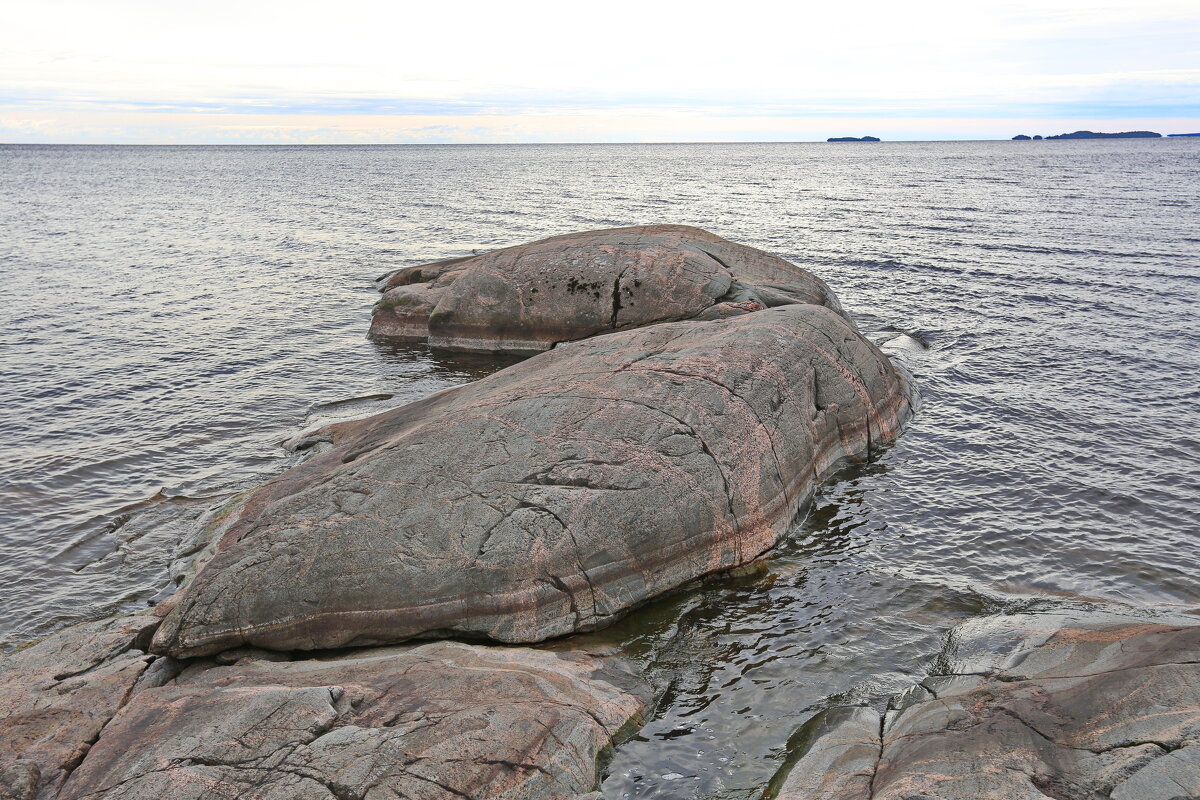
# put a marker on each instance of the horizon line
(534, 144)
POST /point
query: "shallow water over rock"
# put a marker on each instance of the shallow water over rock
(176, 313)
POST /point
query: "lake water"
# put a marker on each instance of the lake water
(173, 313)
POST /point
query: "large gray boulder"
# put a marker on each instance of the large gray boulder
(57, 695)
(552, 496)
(432, 722)
(524, 299)
(1107, 709)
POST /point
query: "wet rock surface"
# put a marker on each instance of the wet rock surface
(1108, 708)
(524, 299)
(57, 695)
(439, 720)
(552, 496)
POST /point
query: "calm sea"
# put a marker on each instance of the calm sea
(173, 313)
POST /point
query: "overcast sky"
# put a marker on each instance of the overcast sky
(355, 71)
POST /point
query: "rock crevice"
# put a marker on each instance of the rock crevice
(1030, 724)
(526, 299)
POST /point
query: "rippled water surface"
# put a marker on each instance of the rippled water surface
(173, 314)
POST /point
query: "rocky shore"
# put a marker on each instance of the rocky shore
(1024, 707)
(555, 495)
(367, 624)
(550, 497)
(547, 499)
(88, 713)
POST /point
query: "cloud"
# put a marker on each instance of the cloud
(137, 128)
(177, 68)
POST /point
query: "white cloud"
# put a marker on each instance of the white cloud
(82, 127)
(557, 59)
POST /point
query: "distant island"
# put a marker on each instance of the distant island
(1094, 135)
(1183, 134)
(853, 139)
(1020, 137)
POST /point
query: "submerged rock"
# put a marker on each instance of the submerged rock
(440, 720)
(552, 496)
(527, 298)
(1108, 709)
(57, 695)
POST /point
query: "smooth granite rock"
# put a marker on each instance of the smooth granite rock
(841, 750)
(524, 299)
(56, 696)
(552, 496)
(1107, 709)
(431, 722)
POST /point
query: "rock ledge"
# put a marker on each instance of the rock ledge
(1100, 710)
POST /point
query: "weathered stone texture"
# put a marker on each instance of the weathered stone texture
(56, 697)
(842, 751)
(524, 299)
(1108, 709)
(552, 496)
(430, 722)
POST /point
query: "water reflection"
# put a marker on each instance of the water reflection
(407, 360)
(746, 659)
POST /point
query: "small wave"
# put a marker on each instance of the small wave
(349, 401)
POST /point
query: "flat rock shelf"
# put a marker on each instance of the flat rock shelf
(89, 714)
(1097, 709)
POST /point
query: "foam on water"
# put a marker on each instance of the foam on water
(173, 314)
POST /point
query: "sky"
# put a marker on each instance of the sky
(349, 71)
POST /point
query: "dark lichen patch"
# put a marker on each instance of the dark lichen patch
(575, 285)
